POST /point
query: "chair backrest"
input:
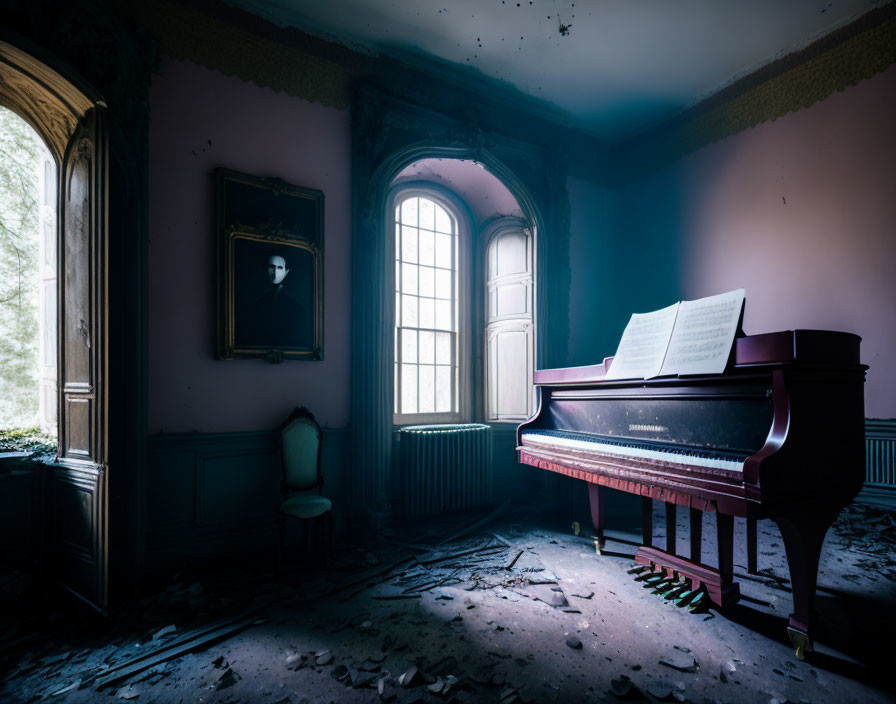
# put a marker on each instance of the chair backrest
(300, 448)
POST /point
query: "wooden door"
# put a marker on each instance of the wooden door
(78, 493)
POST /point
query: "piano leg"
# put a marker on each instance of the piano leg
(670, 528)
(803, 535)
(647, 521)
(751, 546)
(596, 498)
(696, 522)
(725, 539)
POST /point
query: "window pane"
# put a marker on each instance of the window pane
(443, 251)
(427, 281)
(427, 347)
(443, 316)
(427, 248)
(443, 283)
(409, 311)
(409, 244)
(409, 278)
(443, 347)
(408, 388)
(443, 221)
(409, 211)
(427, 214)
(427, 390)
(409, 345)
(443, 389)
(427, 313)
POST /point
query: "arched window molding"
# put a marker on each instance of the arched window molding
(389, 134)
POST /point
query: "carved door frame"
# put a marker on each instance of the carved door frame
(71, 121)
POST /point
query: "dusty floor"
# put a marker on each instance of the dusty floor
(425, 622)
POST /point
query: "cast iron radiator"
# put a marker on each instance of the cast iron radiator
(444, 468)
(880, 453)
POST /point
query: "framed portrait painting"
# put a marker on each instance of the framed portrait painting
(270, 268)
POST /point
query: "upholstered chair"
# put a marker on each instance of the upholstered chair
(300, 444)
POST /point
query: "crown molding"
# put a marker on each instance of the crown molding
(838, 60)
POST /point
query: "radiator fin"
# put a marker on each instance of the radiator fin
(880, 452)
(444, 468)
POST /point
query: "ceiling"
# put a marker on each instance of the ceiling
(615, 67)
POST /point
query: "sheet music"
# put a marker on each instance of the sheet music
(643, 345)
(703, 334)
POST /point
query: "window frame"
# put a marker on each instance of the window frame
(465, 334)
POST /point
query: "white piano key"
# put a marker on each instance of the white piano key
(685, 456)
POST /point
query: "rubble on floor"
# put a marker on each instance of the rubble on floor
(507, 610)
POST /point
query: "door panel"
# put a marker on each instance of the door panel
(77, 505)
(78, 502)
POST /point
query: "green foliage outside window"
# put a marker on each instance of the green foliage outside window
(20, 158)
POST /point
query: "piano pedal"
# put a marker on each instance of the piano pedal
(663, 587)
(654, 584)
(699, 603)
(638, 569)
(677, 582)
(676, 591)
(649, 574)
(685, 598)
(652, 580)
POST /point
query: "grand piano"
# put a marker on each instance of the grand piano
(778, 435)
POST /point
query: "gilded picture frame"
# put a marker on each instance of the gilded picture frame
(270, 268)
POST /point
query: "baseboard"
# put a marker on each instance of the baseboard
(880, 496)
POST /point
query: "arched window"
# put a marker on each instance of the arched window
(429, 304)
(508, 320)
(27, 279)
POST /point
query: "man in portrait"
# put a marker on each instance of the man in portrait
(275, 318)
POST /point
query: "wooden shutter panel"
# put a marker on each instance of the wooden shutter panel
(78, 497)
(81, 287)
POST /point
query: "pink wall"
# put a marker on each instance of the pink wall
(801, 212)
(200, 120)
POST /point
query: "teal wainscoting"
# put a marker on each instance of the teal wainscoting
(212, 495)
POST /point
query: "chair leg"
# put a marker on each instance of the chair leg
(281, 530)
(305, 536)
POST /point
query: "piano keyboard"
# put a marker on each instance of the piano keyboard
(663, 452)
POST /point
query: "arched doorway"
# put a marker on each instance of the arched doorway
(70, 120)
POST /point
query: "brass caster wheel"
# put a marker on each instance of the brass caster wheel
(801, 641)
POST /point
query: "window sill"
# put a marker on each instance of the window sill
(22, 461)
